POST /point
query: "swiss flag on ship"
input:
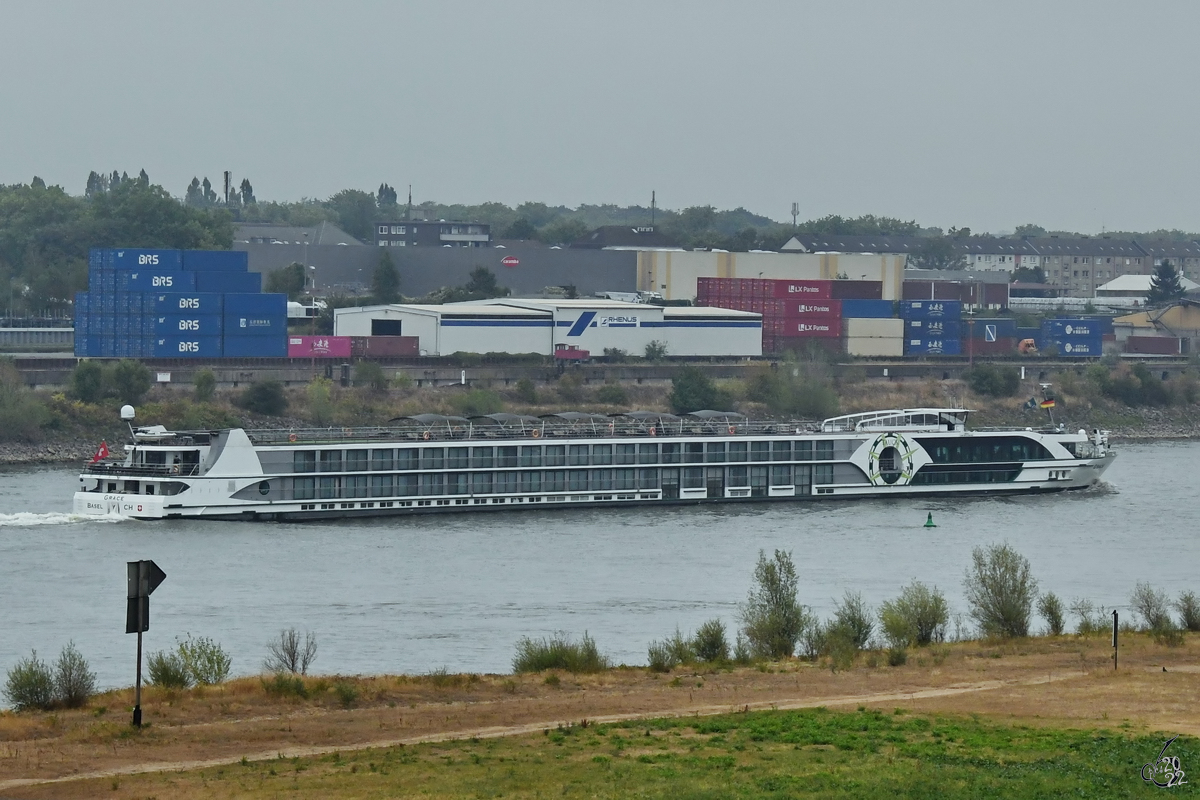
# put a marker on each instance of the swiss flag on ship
(101, 452)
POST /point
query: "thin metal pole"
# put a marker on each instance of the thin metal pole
(137, 691)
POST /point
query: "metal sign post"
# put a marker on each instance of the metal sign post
(1114, 639)
(143, 578)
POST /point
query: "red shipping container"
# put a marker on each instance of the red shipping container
(820, 327)
(802, 344)
(917, 290)
(318, 347)
(1153, 345)
(1003, 346)
(856, 290)
(384, 346)
(797, 309)
(951, 290)
(815, 290)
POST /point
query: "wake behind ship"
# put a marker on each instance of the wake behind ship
(432, 463)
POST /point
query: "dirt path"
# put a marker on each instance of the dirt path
(535, 727)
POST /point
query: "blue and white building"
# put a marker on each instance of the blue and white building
(513, 325)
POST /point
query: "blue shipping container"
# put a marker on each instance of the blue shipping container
(108, 282)
(932, 347)
(216, 260)
(255, 314)
(265, 305)
(1105, 324)
(229, 282)
(255, 324)
(868, 309)
(108, 347)
(186, 303)
(108, 326)
(80, 344)
(256, 346)
(1055, 328)
(992, 329)
(930, 309)
(81, 303)
(95, 279)
(138, 258)
(155, 280)
(186, 347)
(96, 257)
(92, 346)
(1076, 347)
(932, 328)
(186, 325)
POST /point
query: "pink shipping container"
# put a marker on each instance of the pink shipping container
(318, 346)
(811, 289)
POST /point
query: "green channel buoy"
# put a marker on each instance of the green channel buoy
(929, 521)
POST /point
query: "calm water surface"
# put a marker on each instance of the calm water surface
(457, 591)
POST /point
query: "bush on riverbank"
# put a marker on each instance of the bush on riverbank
(559, 651)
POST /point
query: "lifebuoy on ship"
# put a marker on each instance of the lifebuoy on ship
(535, 433)
(291, 437)
(425, 436)
(890, 460)
(653, 431)
(732, 430)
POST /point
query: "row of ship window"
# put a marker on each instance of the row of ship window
(575, 455)
(576, 480)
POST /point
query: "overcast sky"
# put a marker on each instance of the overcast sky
(1075, 115)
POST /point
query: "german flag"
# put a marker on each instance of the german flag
(1048, 403)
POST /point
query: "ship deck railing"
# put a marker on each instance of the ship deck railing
(115, 470)
(473, 432)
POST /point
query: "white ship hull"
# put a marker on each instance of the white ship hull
(455, 468)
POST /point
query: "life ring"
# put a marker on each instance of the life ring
(653, 431)
(425, 436)
(346, 431)
(535, 433)
(291, 437)
(732, 430)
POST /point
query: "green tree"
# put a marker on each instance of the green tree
(205, 383)
(692, 390)
(290, 280)
(916, 618)
(1000, 591)
(247, 193)
(320, 400)
(356, 212)
(520, 229)
(370, 375)
(1165, 285)
(1028, 275)
(385, 281)
(772, 618)
(563, 231)
(1030, 230)
(265, 398)
(937, 252)
(87, 381)
(131, 380)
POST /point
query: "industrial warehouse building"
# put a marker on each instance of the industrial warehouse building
(509, 325)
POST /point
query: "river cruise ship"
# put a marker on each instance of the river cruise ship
(432, 463)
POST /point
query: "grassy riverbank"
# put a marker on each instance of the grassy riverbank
(1046, 716)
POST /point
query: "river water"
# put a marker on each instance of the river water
(458, 591)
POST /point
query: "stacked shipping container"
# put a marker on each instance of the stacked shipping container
(177, 303)
(931, 327)
(799, 313)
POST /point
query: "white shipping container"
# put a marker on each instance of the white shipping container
(858, 328)
(875, 345)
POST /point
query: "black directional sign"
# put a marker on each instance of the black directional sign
(143, 577)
